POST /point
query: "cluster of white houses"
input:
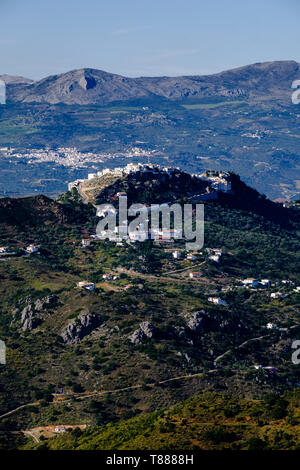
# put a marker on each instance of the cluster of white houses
(129, 169)
(219, 180)
(30, 249)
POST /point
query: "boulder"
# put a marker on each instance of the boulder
(198, 321)
(77, 329)
(146, 330)
(35, 312)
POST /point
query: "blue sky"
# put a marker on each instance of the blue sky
(145, 37)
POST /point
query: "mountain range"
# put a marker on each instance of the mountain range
(269, 80)
(241, 120)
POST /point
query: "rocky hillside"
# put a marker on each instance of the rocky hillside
(32, 211)
(269, 80)
(148, 335)
(38, 211)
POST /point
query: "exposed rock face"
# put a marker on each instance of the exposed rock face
(146, 330)
(35, 312)
(77, 329)
(203, 322)
(27, 319)
(199, 321)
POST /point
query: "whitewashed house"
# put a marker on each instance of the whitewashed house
(32, 249)
(86, 242)
(86, 285)
(195, 275)
(217, 301)
(250, 282)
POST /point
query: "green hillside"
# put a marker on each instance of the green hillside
(99, 375)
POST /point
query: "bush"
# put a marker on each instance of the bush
(219, 434)
(255, 443)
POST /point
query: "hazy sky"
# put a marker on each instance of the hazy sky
(145, 37)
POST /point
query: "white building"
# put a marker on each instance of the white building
(195, 275)
(59, 429)
(86, 242)
(32, 249)
(277, 295)
(250, 282)
(86, 285)
(92, 176)
(176, 254)
(215, 258)
(271, 326)
(74, 184)
(217, 301)
(191, 257)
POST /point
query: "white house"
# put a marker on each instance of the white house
(59, 429)
(176, 254)
(265, 282)
(86, 241)
(195, 275)
(92, 176)
(32, 249)
(250, 282)
(86, 285)
(215, 258)
(277, 295)
(74, 184)
(4, 249)
(217, 301)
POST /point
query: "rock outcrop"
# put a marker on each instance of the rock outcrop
(203, 322)
(199, 321)
(146, 330)
(77, 329)
(34, 312)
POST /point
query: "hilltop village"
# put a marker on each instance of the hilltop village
(218, 180)
(184, 262)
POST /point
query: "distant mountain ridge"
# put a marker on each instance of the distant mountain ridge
(267, 80)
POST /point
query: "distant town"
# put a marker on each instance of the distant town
(70, 156)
